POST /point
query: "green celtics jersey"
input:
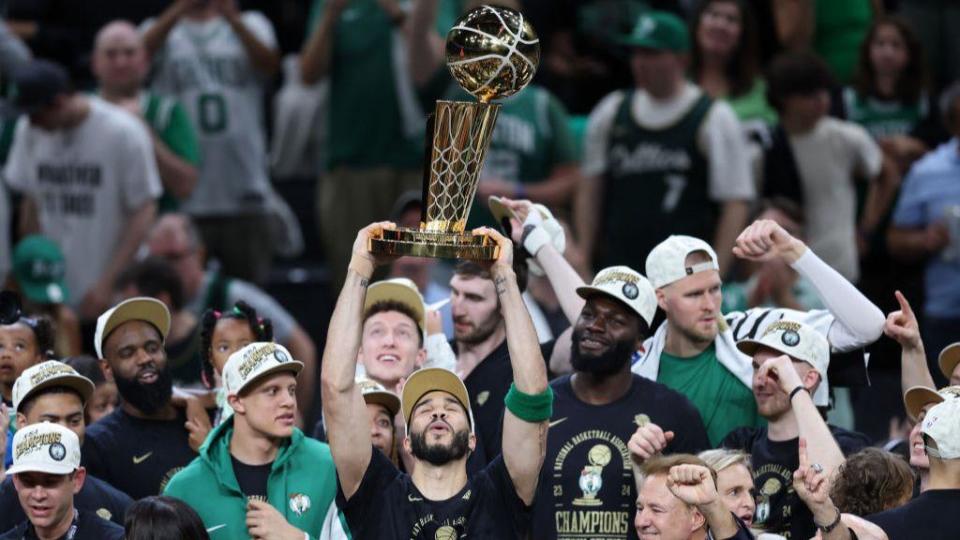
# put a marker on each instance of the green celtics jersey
(882, 118)
(170, 122)
(706, 383)
(656, 185)
(376, 118)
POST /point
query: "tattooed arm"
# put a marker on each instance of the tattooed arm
(524, 443)
(344, 411)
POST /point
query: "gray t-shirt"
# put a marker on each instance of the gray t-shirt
(204, 65)
(86, 182)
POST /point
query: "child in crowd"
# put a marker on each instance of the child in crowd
(105, 397)
(222, 334)
(24, 343)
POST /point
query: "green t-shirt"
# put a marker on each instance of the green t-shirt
(170, 122)
(753, 104)
(841, 27)
(376, 118)
(723, 401)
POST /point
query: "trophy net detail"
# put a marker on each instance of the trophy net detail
(461, 135)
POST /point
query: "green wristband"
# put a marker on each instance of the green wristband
(533, 408)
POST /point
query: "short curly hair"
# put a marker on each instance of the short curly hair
(871, 481)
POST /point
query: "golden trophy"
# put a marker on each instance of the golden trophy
(492, 52)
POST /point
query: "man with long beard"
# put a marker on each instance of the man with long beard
(587, 490)
(437, 500)
(140, 445)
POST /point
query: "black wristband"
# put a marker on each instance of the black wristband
(795, 391)
(830, 527)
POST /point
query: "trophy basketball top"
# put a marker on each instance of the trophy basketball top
(492, 52)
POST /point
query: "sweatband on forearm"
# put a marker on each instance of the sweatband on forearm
(533, 408)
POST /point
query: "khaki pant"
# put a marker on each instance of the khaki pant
(349, 199)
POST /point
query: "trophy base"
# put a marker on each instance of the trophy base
(436, 245)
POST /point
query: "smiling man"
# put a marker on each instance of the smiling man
(588, 489)
(257, 474)
(47, 474)
(141, 444)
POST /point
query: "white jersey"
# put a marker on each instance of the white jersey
(205, 66)
(86, 182)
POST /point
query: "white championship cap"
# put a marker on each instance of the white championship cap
(47, 448)
(942, 424)
(626, 285)
(667, 262)
(796, 340)
(255, 361)
(47, 374)
(140, 308)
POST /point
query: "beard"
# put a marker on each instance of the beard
(478, 333)
(439, 454)
(608, 363)
(147, 398)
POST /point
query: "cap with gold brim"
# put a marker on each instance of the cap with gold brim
(949, 358)
(428, 380)
(140, 308)
(918, 397)
(375, 393)
(402, 291)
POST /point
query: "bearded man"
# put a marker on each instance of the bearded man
(139, 446)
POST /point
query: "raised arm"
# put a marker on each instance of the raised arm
(425, 52)
(902, 326)
(813, 488)
(694, 485)
(824, 449)
(524, 443)
(344, 411)
(858, 321)
(529, 232)
(317, 52)
(264, 57)
(156, 35)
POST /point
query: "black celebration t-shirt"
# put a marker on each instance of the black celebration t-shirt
(134, 455)
(388, 506)
(487, 386)
(252, 479)
(779, 509)
(931, 516)
(86, 526)
(586, 487)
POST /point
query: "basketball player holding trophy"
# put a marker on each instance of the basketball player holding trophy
(492, 52)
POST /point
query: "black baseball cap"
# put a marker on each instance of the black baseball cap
(38, 82)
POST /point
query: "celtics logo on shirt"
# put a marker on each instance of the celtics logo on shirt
(590, 478)
(775, 484)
